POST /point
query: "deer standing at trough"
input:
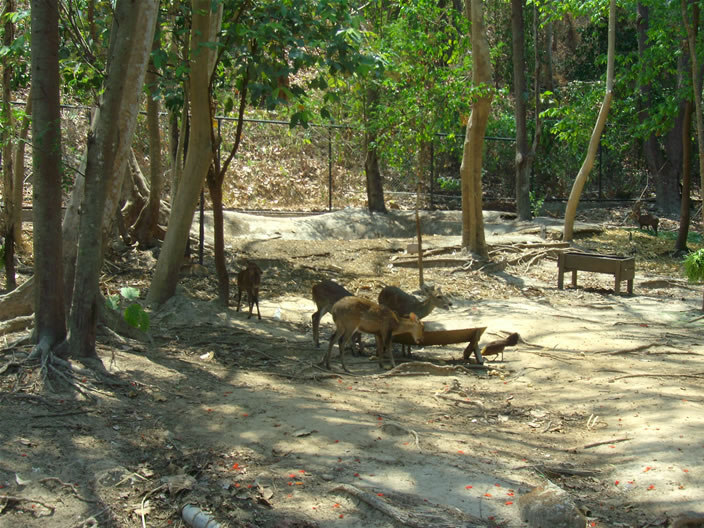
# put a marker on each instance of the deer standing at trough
(404, 304)
(355, 314)
(249, 280)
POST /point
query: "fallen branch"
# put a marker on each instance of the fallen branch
(12, 498)
(559, 470)
(401, 517)
(604, 442)
(625, 350)
(68, 485)
(418, 368)
(698, 375)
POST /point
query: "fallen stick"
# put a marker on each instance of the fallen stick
(604, 442)
(698, 375)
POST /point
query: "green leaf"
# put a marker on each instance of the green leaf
(137, 317)
(129, 293)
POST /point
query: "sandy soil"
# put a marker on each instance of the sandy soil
(602, 397)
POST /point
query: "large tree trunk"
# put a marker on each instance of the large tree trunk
(581, 179)
(471, 168)
(375, 187)
(130, 43)
(692, 30)
(663, 154)
(50, 312)
(198, 160)
(521, 98)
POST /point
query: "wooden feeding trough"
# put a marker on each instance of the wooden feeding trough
(622, 268)
(435, 333)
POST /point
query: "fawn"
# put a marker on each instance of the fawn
(355, 314)
(404, 304)
(249, 279)
(644, 219)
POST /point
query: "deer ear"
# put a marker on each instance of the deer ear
(413, 317)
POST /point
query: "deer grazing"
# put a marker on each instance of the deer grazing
(644, 219)
(249, 280)
(404, 304)
(355, 314)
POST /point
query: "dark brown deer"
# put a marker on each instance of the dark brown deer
(325, 295)
(355, 314)
(644, 219)
(249, 280)
(404, 304)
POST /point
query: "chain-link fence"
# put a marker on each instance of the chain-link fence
(320, 168)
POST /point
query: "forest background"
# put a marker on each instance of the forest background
(192, 87)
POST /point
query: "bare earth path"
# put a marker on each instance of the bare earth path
(602, 397)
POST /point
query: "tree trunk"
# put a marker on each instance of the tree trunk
(50, 310)
(215, 190)
(664, 159)
(18, 184)
(146, 227)
(471, 168)
(581, 179)
(692, 30)
(130, 43)
(198, 161)
(375, 187)
(683, 231)
(521, 98)
(9, 211)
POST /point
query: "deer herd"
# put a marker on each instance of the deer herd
(396, 312)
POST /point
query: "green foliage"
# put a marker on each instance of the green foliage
(536, 203)
(133, 314)
(694, 266)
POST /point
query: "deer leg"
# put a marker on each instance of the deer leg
(239, 298)
(325, 362)
(256, 301)
(343, 344)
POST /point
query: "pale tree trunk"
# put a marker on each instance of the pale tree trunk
(130, 43)
(579, 182)
(471, 168)
(198, 160)
(696, 83)
(18, 185)
(50, 312)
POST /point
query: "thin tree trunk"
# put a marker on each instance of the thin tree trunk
(683, 231)
(146, 226)
(198, 161)
(18, 184)
(375, 187)
(521, 99)
(471, 169)
(6, 138)
(581, 179)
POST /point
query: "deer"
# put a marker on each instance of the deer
(403, 303)
(249, 279)
(356, 314)
(644, 219)
(325, 295)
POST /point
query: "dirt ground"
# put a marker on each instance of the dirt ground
(603, 396)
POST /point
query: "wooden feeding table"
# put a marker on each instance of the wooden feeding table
(622, 268)
(435, 333)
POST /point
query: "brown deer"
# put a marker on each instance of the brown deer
(249, 279)
(325, 295)
(644, 219)
(355, 314)
(404, 304)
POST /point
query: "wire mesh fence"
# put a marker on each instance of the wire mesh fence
(320, 168)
